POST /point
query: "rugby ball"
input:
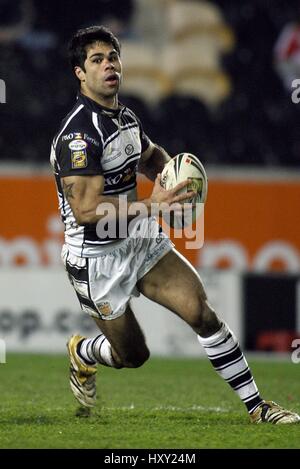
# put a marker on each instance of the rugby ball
(186, 166)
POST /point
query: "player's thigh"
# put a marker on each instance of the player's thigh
(174, 283)
(126, 337)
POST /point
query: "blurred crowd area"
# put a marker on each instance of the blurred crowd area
(210, 77)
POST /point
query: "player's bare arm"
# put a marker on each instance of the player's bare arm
(153, 160)
(85, 193)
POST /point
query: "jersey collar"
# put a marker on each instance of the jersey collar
(96, 107)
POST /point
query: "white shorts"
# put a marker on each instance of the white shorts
(105, 284)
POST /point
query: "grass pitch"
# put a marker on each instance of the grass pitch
(168, 403)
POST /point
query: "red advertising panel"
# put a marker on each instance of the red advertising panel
(247, 225)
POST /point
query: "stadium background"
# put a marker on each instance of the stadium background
(213, 78)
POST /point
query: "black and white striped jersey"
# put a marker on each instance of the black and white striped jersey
(95, 140)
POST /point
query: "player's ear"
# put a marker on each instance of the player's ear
(80, 74)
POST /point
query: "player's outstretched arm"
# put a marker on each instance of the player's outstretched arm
(85, 194)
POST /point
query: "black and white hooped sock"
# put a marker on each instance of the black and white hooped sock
(96, 350)
(224, 352)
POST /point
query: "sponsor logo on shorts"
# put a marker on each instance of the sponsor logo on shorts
(105, 308)
(79, 159)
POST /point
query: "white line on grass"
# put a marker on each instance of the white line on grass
(194, 408)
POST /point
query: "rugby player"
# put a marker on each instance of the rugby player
(95, 155)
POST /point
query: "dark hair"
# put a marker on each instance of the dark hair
(86, 36)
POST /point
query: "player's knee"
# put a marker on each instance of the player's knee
(202, 317)
(135, 359)
(151, 290)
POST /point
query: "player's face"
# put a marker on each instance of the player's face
(103, 71)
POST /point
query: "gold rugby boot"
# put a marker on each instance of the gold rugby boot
(269, 411)
(82, 376)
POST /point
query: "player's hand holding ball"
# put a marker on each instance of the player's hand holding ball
(186, 175)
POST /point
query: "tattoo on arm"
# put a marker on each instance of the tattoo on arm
(68, 190)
